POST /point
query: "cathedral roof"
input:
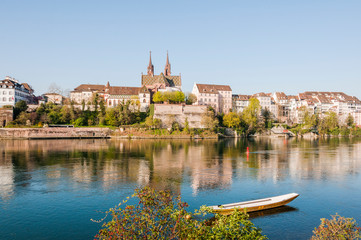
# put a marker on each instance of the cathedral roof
(170, 81)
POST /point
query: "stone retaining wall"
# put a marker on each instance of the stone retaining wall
(56, 132)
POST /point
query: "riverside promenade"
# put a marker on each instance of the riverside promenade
(54, 133)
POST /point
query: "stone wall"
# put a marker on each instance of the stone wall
(169, 113)
(6, 116)
(56, 132)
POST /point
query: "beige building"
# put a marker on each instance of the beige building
(85, 92)
(217, 96)
(54, 98)
(170, 113)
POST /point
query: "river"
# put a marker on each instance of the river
(50, 189)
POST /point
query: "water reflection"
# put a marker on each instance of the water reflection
(206, 164)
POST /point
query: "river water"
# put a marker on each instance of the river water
(50, 189)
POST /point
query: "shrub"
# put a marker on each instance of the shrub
(337, 228)
(160, 215)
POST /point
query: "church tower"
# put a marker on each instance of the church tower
(150, 69)
(167, 67)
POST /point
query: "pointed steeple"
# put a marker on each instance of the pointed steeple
(167, 67)
(150, 68)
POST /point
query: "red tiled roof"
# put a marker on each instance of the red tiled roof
(211, 88)
(124, 90)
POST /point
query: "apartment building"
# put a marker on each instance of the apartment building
(217, 96)
(11, 91)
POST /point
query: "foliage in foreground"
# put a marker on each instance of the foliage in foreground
(160, 215)
(337, 228)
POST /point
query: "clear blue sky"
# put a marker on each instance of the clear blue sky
(253, 46)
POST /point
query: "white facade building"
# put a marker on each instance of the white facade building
(11, 91)
(217, 96)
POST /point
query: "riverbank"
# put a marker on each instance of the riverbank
(54, 133)
(138, 133)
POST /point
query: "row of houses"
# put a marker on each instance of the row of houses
(282, 107)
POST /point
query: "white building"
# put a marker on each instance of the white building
(85, 92)
(11, 91)
(217, 96)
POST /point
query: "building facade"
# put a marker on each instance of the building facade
(11, 91)
(217, 96)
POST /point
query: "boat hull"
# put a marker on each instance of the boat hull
(256, 205)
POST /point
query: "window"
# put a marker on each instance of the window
(4, 99)
(144, 100)
(144, 95)
(4, 92)
(10, 99)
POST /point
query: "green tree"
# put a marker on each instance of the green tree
(328, 123)
(191, 98)
(20, 106)
(337, 228)
(231, 120)
(158, 97)
(209, 120)
(251, 113)
(160, 215)
(350, 121)
(149, 121)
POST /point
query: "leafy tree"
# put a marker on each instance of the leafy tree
(158, 97)
(157, 122)
(20, 106)
(251, 112)
(186, 126)
(328, 123)
(231, 120)
(350, 120)
(160, 215)
(149, 121)
(209, 120)
(191, 98)
(337, 228)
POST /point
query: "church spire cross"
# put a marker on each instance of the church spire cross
(167, 67)
(150, 69)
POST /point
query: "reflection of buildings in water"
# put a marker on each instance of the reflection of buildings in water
(310, 159)
(143, 173)
(82, 172)
(6, 180)
(209, 170)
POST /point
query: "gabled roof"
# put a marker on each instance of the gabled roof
(27, 86)
(89, 87)
(124, 90)
(211, 88)
(242, 97)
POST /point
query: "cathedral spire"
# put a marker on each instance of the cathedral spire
(150, 68)
(167, 67)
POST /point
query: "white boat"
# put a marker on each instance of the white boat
(255, 205)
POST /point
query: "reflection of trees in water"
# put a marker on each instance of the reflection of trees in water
(204, 164)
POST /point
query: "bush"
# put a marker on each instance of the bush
(159, 215)
(337, 228)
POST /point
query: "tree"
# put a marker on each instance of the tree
(337, 228)
(231, 120)
(158, 97)
(191, 98)
(350, 120)
(267, 118)
(149, 121)
(20, 106)
(251, 112)
(160, 215)
(209, 120)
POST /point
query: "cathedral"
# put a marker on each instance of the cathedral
(162, 82)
